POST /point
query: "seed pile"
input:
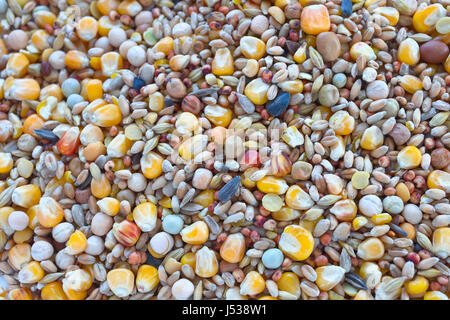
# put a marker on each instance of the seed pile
(216, 149)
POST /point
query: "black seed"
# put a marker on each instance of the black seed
(136, 158)
(153, 261)
(229, 189)
(277, 106)
(355, 280)
(47, 135)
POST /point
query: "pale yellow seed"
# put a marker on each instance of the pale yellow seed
(133, 133)
(360, 179)
(272, 202)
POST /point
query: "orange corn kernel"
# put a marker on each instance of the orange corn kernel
(109, 206)
(145, 216)
(20, 294)
(17, 65)
(77, 243)
(94, 89)
(102, 114)
(253, 284)
(50, 212)
(315, 19)
(111, 62)
(40, 39)
(121, 282)
(233, 249)
(76, 59)
(26, 196)
(106, 6)
(43, 17)
(196, 233)
(69, 142)
(101, 188)
(53, 291)
(147, 278)
(151, 165)
(289, 282)
(19, 255)
(32, 123)
(425, 18)
(87, 28)
(296, 242)
(21, 89)
(31, 273)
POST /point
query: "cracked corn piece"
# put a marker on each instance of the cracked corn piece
(121, 282)
(342, 122)
(77, 243)
(78, 280)
(410, 83)
(315, 19)
(118, 146)
(145, 216)
(190, 147)
(296, 242)
(196, 233)
(409, 157)
(151, 165)
(253, 284)
(233, 249)
(223, 63)
(147, 278)
(21, 89)
(218, 115)
(109, 206)
(372, 138)
(289, 282)
(32, 272)
(362, 48)
(408, 52)
(371, 249)
(298, 199)
(111, 62)
(26, 196)
(206, 264)
(256, 91)
(425, 18)
(271, 184)
(389, 13)
(102, 114)
(6, 162)
(53, 291)
(252, 47)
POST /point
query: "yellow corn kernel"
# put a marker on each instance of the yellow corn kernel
(196, 233)
(371, 249)
(40, 39)
(95, 63)
(53, 291)
(434, 295)
(253, 284)
(109, 206)
(94, 89)
(204, 198)
(256, 91)
(151, 165)
(382, 218)
(106, 6)
(105, 24)
(100, 188)
(111, 62)
(223, 63)
(409, 157)
(20, 294)
(408, 52)
(188, 258)
(21, 89)
(389, 13)
(298, 199)
(267, 298)
(271, 184)
(50, 213)
(145, 216)
(410, 83)
(166, 202)
(19, 255)
(417, 286)
(252, 47)
(291, 86)
(425, 18)
(441, 241)
(344, 210)
(76, 60)
(23, 235)
(43, 17)
(439, 179)
(17, 65)
(329, 276)
(78, 280)
(31, 273)
(156, 101)
(359, 222)
(409, 229)
(76, 244)
(6, 162)
(129, 7)
(32, 123)
(289, 282)
(300, 54)
(87, 28)
(164, 45)
(218, 115)
(26, 196)
(285, 214)
(147, 278)
(4, 215)
(72, 294)
(315, 19)
(342, 122)
(296, 242)
(372, 138)
(45, 107)
(191, 147)
(121, 282)
(206, 264)
(362, 48)
(119, 146)
(233, 249)
(51, 90)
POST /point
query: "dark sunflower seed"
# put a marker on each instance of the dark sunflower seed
(398, 230)
(85, 183)
(277, 106)
(355, 280)
(204, 92)
(47, 134)
(229, 189)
